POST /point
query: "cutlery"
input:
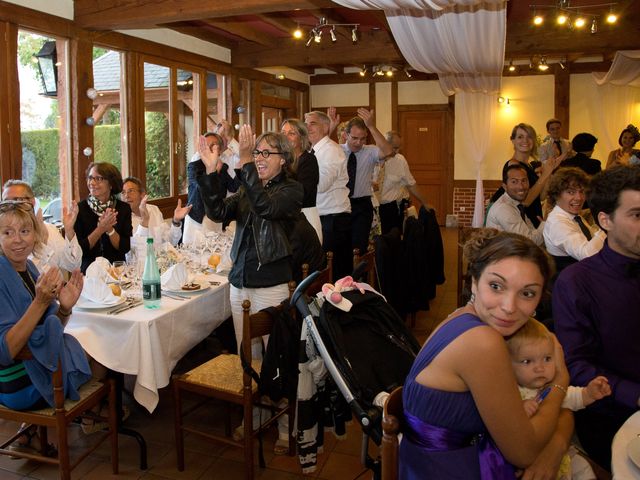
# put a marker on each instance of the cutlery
(123, 308)
(175, 296)
(214, 283)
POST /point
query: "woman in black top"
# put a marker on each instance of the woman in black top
(103, 225)
(304, 169)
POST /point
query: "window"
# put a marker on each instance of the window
(42, 75)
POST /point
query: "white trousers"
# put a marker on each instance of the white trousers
(260, 298)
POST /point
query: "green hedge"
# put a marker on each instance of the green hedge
(40, 156)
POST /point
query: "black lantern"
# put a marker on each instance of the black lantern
(47, 59)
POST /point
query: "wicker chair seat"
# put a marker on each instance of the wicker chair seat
(223, 372)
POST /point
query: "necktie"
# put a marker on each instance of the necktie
(583, 227)
(522, 213)
(312, 151)
(558, 146)
(352, 165)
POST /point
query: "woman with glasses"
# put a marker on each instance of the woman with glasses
(35, 307)
(266, 209)
(103, 225)
(304, 168)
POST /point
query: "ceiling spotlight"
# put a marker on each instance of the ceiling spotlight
(542, 66)
(407, 72)
(333, 34)
(389, 73)
(612, 18)
(311, 36)
(363, 71)
(579, 22)
(538, 20)
(512, 67)
(354, 34)
(317, 36)
(562, 19)
(562, 64)
(594, 26)
(297, 33)
(280, 76)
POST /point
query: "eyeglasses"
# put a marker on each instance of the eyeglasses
(97, 179)
(9, 205)
(265, 153)
(131, 190)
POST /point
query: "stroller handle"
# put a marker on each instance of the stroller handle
(299, 298)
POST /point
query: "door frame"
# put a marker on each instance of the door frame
(449, 110)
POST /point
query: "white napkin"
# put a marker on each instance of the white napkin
(97, 291)
(225, 262)
(175, 277)
(100, 269)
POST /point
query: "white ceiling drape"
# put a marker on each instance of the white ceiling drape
(463, 41)
(625, 70)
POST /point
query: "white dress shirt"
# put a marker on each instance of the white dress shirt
(333, 194)
(161, 231)
(397, 177)
(231, 156)
(366, 159)
(60, 251)
(563, 237)
(546, 150)
(504, 215)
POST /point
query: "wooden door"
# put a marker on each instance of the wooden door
(427, 136)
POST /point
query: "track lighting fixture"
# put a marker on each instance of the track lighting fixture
(315, 34)
(575, 16)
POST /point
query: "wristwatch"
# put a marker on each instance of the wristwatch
(176, 224)
(113, 230)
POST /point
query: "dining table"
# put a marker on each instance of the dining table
(622, 466)
(147, 343)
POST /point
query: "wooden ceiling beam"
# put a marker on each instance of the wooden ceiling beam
(284, 24)
(373, 47)
(242, 30)
(202, 33)
(126, 14)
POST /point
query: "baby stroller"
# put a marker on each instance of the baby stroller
(366, 351)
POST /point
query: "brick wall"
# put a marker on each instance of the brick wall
(464, 195)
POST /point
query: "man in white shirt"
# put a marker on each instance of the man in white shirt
(231, 155)
(567, 236)
(554, 145)
(507, 213)
(332, 199)
(394, 182)
(63, 252)
(147, 219)
(361, 161)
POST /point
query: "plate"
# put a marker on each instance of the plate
(203, 286)
(633, 450)
(87, 305)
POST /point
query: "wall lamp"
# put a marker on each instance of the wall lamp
(504, 100)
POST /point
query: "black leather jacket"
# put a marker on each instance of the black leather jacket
(272, 209)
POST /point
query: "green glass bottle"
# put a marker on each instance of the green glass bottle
(151, 292)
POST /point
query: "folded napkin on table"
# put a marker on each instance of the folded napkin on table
(175, 277)
(97, 291)
(100, 269)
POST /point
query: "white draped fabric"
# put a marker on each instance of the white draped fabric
(475, 125)
(463, 41)
(625, 70)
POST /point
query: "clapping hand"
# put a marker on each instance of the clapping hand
(144, 211)
(70, 292)
(69, 215)
(366, 116)
(48, 286)
(595, 390)
(334, 118)
(210, 155)
(108, 220)
(247, 141)
(180, 212)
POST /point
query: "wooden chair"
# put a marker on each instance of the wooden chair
(391, 424)
(369, 267)
(223, 378)
(325, 276)
(464, 233)
(65, 412)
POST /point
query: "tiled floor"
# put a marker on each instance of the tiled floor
(207, 460)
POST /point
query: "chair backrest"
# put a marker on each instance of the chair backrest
(365, 264)
(464, 233)
(392, 420)
(325, 276)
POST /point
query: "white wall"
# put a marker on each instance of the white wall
(60, 8)
(420, 92)
(347, 95)
(383, 106)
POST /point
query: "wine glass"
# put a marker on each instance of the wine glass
(118, 268)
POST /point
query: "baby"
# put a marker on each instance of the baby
(531, 350)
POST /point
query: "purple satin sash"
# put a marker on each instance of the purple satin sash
(431, 438)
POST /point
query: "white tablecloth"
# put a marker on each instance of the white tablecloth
(148, 343)
(622, 467)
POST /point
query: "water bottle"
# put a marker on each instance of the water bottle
(151, 278)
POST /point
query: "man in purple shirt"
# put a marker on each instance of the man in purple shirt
(596, 307)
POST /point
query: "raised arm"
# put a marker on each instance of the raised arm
(386, 149)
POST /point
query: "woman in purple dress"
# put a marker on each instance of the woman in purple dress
(464, 414)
